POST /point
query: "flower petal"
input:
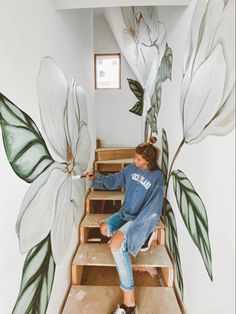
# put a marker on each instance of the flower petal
(161, 39)
(52, 92)
(149, 26)
(213, 15)
(193, 38)
(37, 210)
(184, 91)
(223, 122)
(205, 94)
(144, 33)
(152, 77)
(82, 153)
(82, 104)
(121, 22)
(128, 17)
(33, 189)
(225, 35)
(72, 116)
(63, 223)
(78, 197)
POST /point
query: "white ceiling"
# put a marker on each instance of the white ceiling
(79, 4)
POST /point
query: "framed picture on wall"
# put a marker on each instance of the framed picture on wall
(107, 70)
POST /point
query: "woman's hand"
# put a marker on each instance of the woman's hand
(116, 240)
(89, 176)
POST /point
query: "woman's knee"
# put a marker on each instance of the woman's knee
(114, 247)
(116, 241)
(104, 229)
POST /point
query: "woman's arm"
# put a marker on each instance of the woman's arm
(108, 182)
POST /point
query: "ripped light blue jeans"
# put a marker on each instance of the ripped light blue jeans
(121, 256)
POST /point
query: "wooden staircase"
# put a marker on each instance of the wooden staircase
(95, 284)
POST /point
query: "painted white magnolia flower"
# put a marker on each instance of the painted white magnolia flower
(54, 201)
(145, 34)
(207, 97)
(143, 26)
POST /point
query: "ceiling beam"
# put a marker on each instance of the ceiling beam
(81, 4)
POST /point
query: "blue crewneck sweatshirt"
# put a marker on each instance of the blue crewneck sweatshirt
(142, 203)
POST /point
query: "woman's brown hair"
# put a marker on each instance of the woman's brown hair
(149, 152)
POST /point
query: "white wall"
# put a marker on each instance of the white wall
(115, 125)
(30, 30)
(210, 167)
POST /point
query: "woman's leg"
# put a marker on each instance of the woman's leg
(111, 225)
(104, 228)
(125, 272)
(116, 228)
(123, 264)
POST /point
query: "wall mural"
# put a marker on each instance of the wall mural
(152, 58)
(207, 100)
(143, 43)
(44, 224)
(142, 40)
(54, 201)
(163, 73)
(207, 108)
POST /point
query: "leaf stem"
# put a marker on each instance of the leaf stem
(169, 175)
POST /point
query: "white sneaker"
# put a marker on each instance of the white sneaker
(122, 309)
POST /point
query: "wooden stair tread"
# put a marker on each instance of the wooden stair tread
(93, 221)
(101, 149)
(115, 161)
(100, 255)
(105, 195)
(114, 153)
(103, 300)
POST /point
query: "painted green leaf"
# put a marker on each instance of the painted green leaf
(153, 121)
(136, 88)
(165, 154)
(156, 98)
(151, 117)
(152, 113)
(138, 91)
(150, 123)
(194, 215)
(24, 145)
(37, 280)
(137, 108)
(173, 246)
(165, 68)
(146, 129)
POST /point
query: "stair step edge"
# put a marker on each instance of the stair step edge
(93, 220)
(105, 195)
(115, 161)
(150, 300)
(92, 254)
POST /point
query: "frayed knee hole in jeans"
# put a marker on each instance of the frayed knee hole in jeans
(121, 248)
(104, 228)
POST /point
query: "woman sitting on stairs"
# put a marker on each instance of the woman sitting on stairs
(133, 225)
